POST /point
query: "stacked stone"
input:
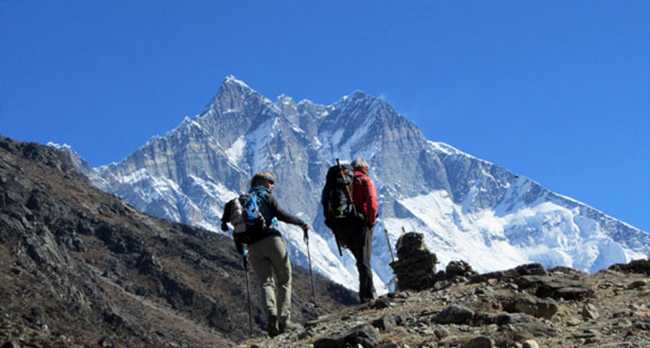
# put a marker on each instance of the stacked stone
(416, 267)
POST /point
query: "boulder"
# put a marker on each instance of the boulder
(522, 270)
(11, 344)
(387, 322)
(637, 284)
(537, 307)
(454, 314)
(530, 344)
(441, 332)
(459, 269)
(480, 342)
(364, 335)
(590, 312)
(554, 287)
(641, 266)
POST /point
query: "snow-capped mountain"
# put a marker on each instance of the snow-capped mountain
(467, 208)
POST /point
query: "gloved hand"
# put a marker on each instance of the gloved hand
(224, 226)
(305, 231)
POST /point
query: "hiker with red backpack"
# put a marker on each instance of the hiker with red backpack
(350, 207)
(255, 216)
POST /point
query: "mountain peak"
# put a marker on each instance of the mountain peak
(285, 99)
(356, 95)
(232, 80)
(231, 84)
(231, 95)
(359, 97)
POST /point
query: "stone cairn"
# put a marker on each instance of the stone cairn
(416, 267)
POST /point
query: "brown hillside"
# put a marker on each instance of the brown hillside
(79, 267)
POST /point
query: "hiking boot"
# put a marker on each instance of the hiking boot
(272, 326)
(288, 325)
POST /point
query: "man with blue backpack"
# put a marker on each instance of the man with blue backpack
(255, 216)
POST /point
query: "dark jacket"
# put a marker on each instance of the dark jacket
(271, 210)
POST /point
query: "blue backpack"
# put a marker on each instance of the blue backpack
(253, 218)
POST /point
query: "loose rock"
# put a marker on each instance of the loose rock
(441, 332)
(11, 344)
(364, 335)
(454, 314)
(637, 284)
(480, 342)
(459, 269)
(589, 311)
(540, 308)
(530, 344)
(385, 323)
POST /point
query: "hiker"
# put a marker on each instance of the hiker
(352, 226)
(268, 253)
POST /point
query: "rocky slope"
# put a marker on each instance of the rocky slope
(467, 208)
(79, 267)
(527, 306)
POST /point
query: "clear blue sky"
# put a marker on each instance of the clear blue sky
(558, 91)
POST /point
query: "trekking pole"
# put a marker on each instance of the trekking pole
(338, 245)
(311, 274)
(248, 297)
(392, 256)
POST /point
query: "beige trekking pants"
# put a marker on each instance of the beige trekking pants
(272, 267)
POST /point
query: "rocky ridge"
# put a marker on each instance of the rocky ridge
(79, 267)
(524, 307)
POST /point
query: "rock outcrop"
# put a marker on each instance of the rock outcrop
(527, 306)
